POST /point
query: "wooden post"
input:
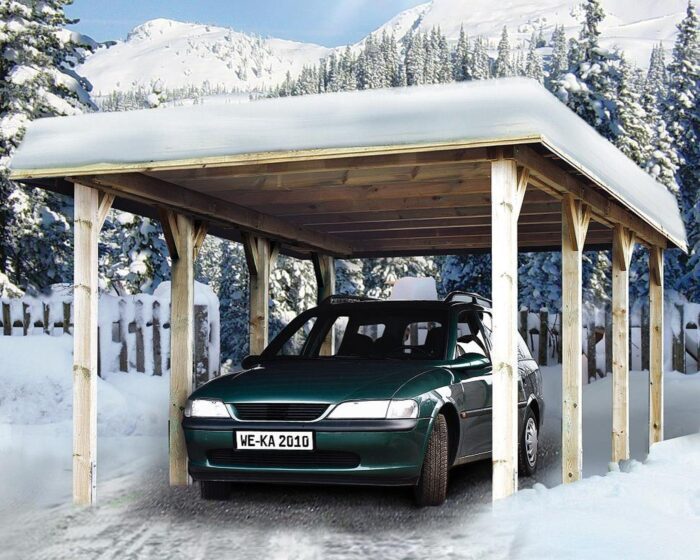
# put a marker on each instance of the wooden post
(139, 327)
(623, 244)
(123, 331)
(324, 267)
(87, 224)
(180, 231)
(608, 340)
(575, 220)
(522, 329)
(259, 255)
(656, 345)
(678, 343)
(48, 325)
(157, 346)
(542, 337)
(645, 336)
(66, 317)
(590, 349)
(507, 191)
(6, 319)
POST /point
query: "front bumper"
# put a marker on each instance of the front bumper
(388, 452)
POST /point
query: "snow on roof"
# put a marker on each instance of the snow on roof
(493, 111)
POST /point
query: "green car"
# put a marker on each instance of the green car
(359, 391)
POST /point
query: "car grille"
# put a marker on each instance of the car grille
(283, 459)
(292, 412)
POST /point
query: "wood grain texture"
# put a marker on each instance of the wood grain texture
(575, 220)
(181, 342)
(656, 345)
(506, 199)
(259, 255)
(85, 298)
(623, 243)
(324, 267)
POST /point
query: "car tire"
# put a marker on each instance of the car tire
(214, 490)
(431, 489)
(529, 444)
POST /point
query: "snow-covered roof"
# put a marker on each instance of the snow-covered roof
(491, 112)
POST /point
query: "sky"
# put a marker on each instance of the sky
(327, 22)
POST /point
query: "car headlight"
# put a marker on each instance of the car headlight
(206, 408)
(375, 410)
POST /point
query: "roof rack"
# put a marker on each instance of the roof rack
(345, 298)
(468, 297)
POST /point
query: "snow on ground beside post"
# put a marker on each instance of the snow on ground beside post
(649, 510)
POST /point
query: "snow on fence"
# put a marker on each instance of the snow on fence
(682, 340)
(133, 331)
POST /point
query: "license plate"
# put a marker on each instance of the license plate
(274, 440)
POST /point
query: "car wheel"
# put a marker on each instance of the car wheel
(432, 485)
(529, 444)
(214, 490)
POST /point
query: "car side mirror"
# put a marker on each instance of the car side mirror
(250, 361)
(470, 361)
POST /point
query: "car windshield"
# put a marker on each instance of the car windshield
(364, 332)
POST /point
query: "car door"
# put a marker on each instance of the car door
(475, 412)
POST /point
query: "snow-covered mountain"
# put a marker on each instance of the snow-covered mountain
(172, 54)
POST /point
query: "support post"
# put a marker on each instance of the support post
(623, 244)
(575, 220)
(656, 345)
(324, 267)
(507, 191)
(87, 224)
(259, 254)
(181, 232)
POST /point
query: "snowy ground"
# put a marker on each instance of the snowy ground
(646, 511)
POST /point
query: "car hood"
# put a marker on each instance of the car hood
(315, 381)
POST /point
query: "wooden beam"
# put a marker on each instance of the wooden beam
(169, 225)
(155, 191)
(89, 211)
(623, 244)
(324, 267)
(105, 204)
(181, 341)
(575, 220)
(200, 235)
(656, 345)
(259, 252)
(602, 207)
(506, 199)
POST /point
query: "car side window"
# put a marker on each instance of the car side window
(470, 338)
(294, 345)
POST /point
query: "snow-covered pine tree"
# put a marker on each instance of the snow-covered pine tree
(349, 277)
(134, 252)
(533, 63)
(414, 58)
(444, 67)
(683, 117)
(461, 65)
(233, 302)
(503, 66)
(381, 274)
(634, 134)
(471, 273)
(590, 87)
(559, 64)
(292, 290)
(37, 79)
(390, 54)
(481, 63)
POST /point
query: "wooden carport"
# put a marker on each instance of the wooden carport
(476, 167)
